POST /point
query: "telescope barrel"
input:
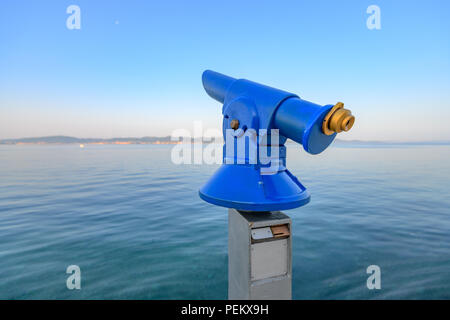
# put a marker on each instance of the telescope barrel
(312, 125)
(216, 84)
(293, 116)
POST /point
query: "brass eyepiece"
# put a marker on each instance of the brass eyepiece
(338, 119)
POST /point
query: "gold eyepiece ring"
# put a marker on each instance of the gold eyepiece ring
(338, 119)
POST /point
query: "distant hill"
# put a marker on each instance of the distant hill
(385, 143)
(167, 140)
(69, 140)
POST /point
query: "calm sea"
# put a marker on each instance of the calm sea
(135, 225)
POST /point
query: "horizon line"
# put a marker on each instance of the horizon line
(155, 138)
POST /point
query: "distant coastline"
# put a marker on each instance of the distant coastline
(74, 140)
(167, 140)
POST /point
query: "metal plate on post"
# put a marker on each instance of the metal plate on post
(269, 259)
(262, 233)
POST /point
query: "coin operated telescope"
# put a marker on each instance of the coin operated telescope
(254, 182)
(250, 111)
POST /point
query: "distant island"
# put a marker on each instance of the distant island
(74, 140)
(167, 140)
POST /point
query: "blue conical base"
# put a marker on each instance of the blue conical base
(242, 187)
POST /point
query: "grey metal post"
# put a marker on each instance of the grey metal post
(259, 255)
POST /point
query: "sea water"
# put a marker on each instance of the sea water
(134, 224)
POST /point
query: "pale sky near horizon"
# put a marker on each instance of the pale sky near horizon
(134, 68)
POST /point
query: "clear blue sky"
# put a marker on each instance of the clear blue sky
(134, 68)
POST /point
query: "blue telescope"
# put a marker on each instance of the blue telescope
(257, 121)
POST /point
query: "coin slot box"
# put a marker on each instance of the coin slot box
(269, 256)
(259, 255)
